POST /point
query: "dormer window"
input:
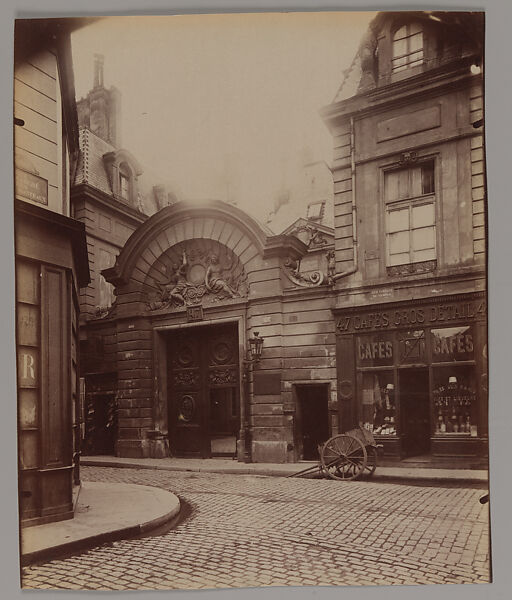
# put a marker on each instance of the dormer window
(123, 172)
(124, 182)
(407, 47)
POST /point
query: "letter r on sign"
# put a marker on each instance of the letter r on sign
(28, 367)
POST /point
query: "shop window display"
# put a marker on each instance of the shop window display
(378, 406)
(454, 402)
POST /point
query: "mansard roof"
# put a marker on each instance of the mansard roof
(92, 170)
(464, 24)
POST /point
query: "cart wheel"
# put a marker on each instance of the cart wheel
(371, 462)
(343, 457)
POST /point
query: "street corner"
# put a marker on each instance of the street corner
(103, 512)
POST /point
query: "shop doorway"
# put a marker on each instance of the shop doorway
(312, 419)
(414, 411)
(203, 391)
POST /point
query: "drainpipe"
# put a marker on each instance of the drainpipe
(352, 269)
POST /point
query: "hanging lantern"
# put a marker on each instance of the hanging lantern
(255, 346)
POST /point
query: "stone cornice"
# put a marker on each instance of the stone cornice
(284, 246)
(431, 83)
(460, 274)
(467, 132)
(88, 192)
(73, 229)
(448, 297)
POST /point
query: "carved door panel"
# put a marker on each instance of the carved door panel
(186, 403)
(203, 379)
(223, 386)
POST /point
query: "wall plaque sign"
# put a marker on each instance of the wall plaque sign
(195, 313)
(30, 186)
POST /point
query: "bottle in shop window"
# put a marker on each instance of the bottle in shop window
(454, 416)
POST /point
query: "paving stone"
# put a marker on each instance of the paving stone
(250, 531)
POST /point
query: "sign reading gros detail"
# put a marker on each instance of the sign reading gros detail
(411, 316)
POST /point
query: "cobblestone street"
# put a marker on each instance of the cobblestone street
(246, 531)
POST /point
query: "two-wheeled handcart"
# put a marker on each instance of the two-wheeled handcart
(346, 456)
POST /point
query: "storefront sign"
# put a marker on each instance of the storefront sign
(452, 344)
(411, 316)
(28, 372)
(32, 187)
(374, 350)
(28, 325)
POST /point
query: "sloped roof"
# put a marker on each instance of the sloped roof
(470, 23)
(91, 168)
(91, 171)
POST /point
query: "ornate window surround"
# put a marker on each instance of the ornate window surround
(408, 160)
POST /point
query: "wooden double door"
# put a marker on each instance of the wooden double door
(204, 391)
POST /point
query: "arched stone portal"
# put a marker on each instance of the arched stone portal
(193, 281)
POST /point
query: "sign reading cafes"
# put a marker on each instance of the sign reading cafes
(435, 314)
(448, 344)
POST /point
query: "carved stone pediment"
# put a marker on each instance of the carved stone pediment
(312, 234)
(195, 272)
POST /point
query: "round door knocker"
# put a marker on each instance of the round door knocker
(186, 410)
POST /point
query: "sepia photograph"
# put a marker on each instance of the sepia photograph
(251, 298)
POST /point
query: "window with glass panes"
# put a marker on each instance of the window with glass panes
(407, 47)
(410, 215)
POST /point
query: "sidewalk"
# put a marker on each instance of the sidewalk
(228, 466)
(104, 512)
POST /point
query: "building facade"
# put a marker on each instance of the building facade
(379, 321)
(411, 321)
(112, 195)
(51, 266)
(193, 285)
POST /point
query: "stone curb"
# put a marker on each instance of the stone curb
(115, 535)
(276, 472)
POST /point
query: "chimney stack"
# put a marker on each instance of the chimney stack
(100, 110)
(99, 59)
